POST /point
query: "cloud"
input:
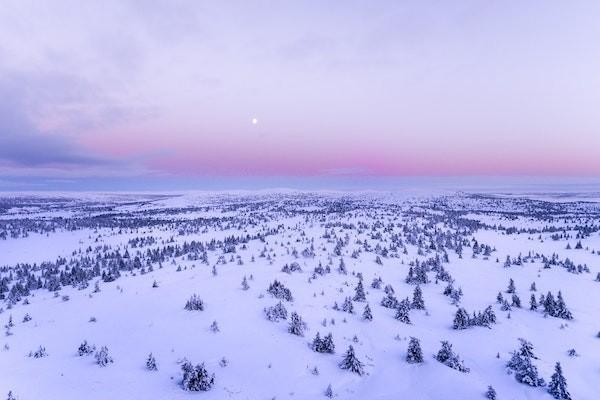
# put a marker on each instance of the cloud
(23, 144)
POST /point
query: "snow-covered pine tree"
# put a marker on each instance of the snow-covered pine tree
(151, 363)
(194, 303)
(85, 349)
(402, 312)
(297, 325)
(533, 303)
(516, 301)
(276, 312)
(102, 357)
(367, 315)
(490, 393)
(196, 378)
(418, 303)
(461, 319)
(347, 306)
(351, 363)
(414, 354)
(447, 357)
(359, 292)
(558, 384)
(511, 287)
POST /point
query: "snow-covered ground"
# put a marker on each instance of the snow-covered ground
(117, 271)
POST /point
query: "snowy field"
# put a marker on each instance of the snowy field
(271, 270)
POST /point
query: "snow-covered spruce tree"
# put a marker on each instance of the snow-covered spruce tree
(533, 303)
(323, 345)
(347, 306)
(418, 303)
(342, 267)
(367, 315)
(297, 326)
(279, 291)
(359, 292)
(522, 365)
(516, 301)
(327, 344)
(196, 378)
(490, 393)
(195, 303)
(276, 312)
(414, 354)
(377, 282)
(317, 343)
(561, 310)
(151, 363)
(329, 392)
(245, 285)
(85, 349)
(447, 357)
(39, 353)
(102, 357)
(511, 287)
(402, 312)
(558, 384)
(351, 363)
(389, 301)
(11, 396)
(461, 319)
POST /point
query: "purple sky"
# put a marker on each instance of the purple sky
(168, 89)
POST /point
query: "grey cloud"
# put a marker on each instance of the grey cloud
(22, 144)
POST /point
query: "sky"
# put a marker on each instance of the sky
(147, 93)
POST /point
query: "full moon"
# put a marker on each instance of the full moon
(254, 121)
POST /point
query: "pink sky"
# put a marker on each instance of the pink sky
(409, 88)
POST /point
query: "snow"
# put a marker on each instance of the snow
(133, 318)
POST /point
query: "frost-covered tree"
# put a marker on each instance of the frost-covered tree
(389, 301)
(297, 325)
(323, 345)
(414, 354)
(151, 363)
(196, 378)
(347, 306)
(522, 365)
(402, 312)
(85, 349)
(511, 287)
(102, 357)
(329, 392)
(533, 303)
(194, 303)
(276, 312)
(461, 319)
(490, 393)
(418, 303)
(279, 291)
(558, 384)
(516, 301)
(359, 292)
(245, 285)
(447, 357)
(351, 362)
(367, 315)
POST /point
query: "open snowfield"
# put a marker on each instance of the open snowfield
(117, 271)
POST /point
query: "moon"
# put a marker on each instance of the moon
(254, 121)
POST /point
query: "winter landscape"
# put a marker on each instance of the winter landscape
(299, 200)
(300, 295)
